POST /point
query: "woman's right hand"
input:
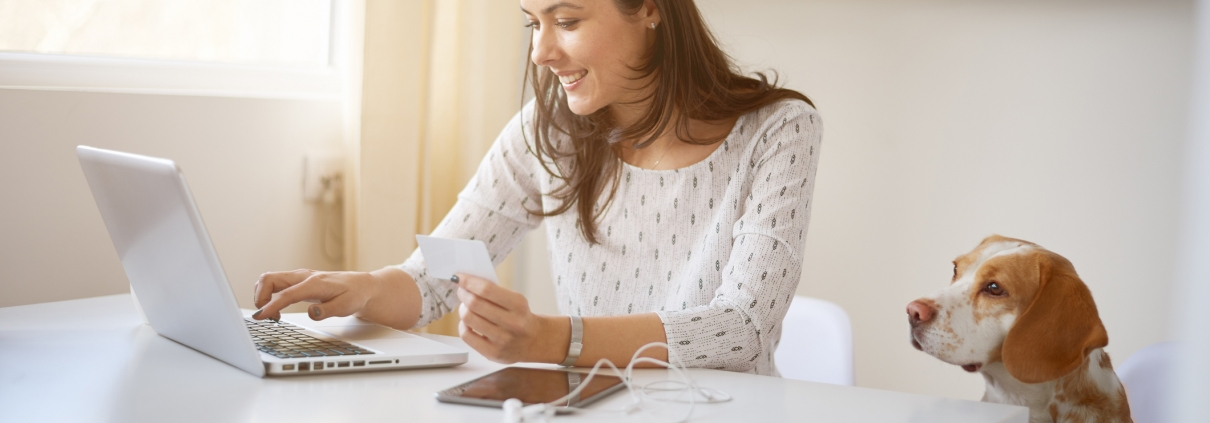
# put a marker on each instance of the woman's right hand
(337, 294)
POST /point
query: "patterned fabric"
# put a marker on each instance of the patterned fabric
(715, 248)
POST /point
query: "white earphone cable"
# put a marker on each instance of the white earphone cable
(514, 413)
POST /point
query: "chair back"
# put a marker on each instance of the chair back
(816, 343)
(1145, 375)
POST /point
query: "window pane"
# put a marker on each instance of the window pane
(291, 33)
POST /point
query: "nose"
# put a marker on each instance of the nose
(919, 312)
(544, 51)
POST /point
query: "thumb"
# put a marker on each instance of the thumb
(316, 312)
(340, 306)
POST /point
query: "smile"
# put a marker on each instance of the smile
(573, 78)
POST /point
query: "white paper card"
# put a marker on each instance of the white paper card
(446, 256)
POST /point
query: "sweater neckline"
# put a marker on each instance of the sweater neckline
(713, 155)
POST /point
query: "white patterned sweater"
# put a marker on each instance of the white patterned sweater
(715, 248)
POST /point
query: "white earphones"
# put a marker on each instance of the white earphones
(514, 412)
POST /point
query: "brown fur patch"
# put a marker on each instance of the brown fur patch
(1058, 330)
(1079, 398)
(1017, 277)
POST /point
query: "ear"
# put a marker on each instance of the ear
(649, 12)
(1059, 327)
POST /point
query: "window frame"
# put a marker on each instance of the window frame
(63, 72)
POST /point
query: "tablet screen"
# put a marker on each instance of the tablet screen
(531, 386)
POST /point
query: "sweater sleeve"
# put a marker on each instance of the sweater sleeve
(491, 208)
(758, 282)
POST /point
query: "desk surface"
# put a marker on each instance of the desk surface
(94, 360)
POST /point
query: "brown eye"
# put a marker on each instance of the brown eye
(994, 289)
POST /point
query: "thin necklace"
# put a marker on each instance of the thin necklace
(657, 162)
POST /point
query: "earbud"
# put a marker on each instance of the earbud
(512, 411)
(515, 413)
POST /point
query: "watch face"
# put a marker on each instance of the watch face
(533, 386)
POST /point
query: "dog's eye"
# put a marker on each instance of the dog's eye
(994, 289)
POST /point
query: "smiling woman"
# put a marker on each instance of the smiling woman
(676, 193)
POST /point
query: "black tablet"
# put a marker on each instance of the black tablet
(531, 386)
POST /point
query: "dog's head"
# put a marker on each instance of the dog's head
(1012, 301)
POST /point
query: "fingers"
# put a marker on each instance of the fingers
(314, 288)
(342, 305)
(481, 306)
(503, 297)
(478, 342)
(272, 282)
(482, 326)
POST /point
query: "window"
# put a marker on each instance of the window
(238, 47)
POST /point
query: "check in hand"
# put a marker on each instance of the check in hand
(498, 323)
(336, 294)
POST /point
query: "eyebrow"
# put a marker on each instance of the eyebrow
(554, 7)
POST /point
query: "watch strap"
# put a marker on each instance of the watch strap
(576, 344)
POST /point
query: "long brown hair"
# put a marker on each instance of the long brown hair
(693, 80)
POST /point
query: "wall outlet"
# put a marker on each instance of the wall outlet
(323, 172)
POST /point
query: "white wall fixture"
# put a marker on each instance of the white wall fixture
(323, 176)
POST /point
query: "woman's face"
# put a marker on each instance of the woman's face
(592, 47)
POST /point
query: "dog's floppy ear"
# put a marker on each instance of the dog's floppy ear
(1058, 328)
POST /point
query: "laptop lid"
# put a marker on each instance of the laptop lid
(167, 254)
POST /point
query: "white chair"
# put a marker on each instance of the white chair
(1146, 377)
(816, 343)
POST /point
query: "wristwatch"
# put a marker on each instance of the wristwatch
(576, 344)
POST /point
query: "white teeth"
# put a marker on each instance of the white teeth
(571, 79)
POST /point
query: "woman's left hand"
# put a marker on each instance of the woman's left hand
(498, 323)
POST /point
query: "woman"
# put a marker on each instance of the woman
(676, 194)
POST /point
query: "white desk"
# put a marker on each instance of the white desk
(93, 360)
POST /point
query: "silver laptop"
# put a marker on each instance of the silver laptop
(180, 285)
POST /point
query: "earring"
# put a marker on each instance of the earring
(653, 25)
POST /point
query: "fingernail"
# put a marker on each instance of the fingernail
(314, 312)
(256, 315)
(454, 279)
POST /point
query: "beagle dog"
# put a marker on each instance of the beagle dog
(1019, 314)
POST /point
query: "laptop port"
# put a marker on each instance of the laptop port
(287, 367)
(380, 362)
(318, 365)
(303, 367)
(358, 363)
(343, 364)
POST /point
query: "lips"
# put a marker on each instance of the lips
(971, 368)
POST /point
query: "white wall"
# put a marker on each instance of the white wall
(243, 158)
(1059, 122)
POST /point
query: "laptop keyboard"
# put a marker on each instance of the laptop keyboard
(284, 340)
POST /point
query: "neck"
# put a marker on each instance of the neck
(1091, 392)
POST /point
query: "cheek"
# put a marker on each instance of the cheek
(990, 324)
(609, 59)
(955, 314)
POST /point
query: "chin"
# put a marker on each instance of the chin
(582, 107)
